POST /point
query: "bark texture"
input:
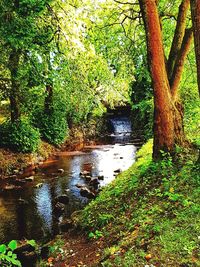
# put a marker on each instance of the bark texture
(179, 64)
(168, 110)
(163, 106)
(178, 36)
(195, 10)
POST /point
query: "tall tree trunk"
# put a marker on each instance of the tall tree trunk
(195, 11)
(163, 106)
(13, 66)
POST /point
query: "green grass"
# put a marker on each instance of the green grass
(152, 208)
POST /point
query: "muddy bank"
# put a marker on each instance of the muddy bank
(12, 163)
(17, 163)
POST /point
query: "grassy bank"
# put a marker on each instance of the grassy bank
(148, 216)
(150, 213)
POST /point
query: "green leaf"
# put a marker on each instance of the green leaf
(12, 245)
(14, 256)
(31, 242)
(2, 249)
(91, 235)
(16, 262)
(9, 253)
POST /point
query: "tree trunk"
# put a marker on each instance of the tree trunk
(179, 64)
(164, 139)
(13, 66)
(178, 113)
(48, 102)
(178, 36)
(195, 10)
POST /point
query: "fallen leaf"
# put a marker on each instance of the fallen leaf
(148, 257)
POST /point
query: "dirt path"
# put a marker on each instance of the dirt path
(78, 251)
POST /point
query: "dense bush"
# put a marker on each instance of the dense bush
(19, 136)
(53, 127)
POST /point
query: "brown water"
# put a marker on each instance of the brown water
(35, 218)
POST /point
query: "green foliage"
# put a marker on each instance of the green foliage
(57, 247)
(141, 94)
(7, 257)
(32, 243)
(96, 235)
(151, 208)
(19, 136)
(53, 126)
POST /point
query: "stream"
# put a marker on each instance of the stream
(28, 212)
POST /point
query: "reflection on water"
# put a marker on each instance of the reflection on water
(34, 217)
(44, 205)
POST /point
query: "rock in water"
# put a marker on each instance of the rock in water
(85, 192)
(38, 185)
(59, 209)
(29, 179)
(118, 171)
(61, 171)
(64, 199)
(85, 173)
(80, 185)
(94, 182)
(88, 178)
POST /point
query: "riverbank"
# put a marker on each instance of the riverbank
(148, 216)
(14, 163)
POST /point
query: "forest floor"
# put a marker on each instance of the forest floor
(148, 216)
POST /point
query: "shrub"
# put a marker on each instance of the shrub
(19, 136)
(7, 255)
(53, 126)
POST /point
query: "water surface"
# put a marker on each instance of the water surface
(34, 218)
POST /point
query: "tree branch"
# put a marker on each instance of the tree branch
(125, 3)
(178, 36)
(179, 65)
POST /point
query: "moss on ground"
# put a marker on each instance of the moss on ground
(150, 214)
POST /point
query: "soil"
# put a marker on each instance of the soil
(79, 251)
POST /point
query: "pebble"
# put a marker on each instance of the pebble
(61, 171)
(29, 179)
(39, 185)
